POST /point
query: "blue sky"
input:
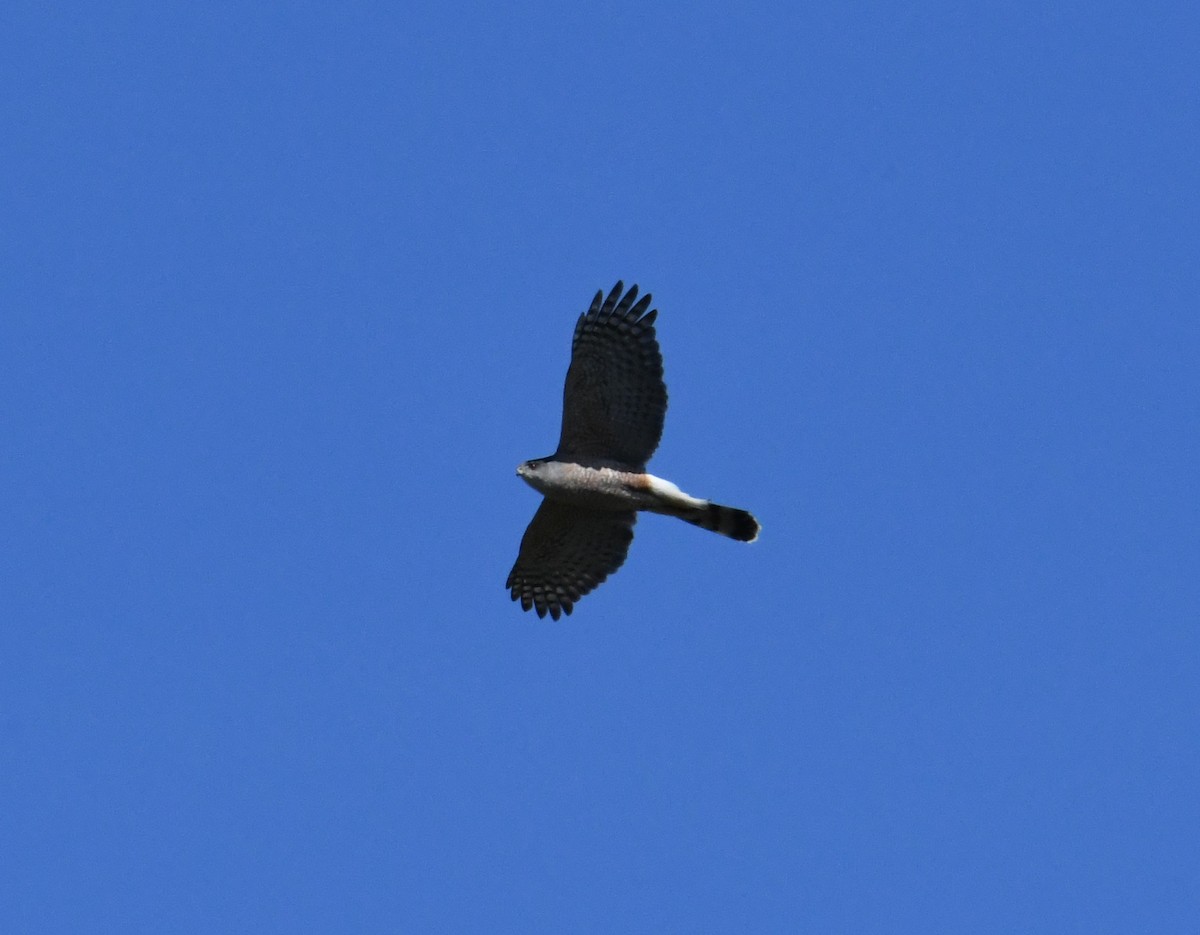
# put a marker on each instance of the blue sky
(288, 293)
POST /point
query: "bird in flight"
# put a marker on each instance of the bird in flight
(614, 403)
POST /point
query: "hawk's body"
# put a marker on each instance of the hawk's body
(614, 404)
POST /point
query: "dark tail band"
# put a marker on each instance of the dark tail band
(726, 520)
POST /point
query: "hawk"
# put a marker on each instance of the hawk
(614, 403)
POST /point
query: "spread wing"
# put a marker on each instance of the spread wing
(615, 400)
(565, 553)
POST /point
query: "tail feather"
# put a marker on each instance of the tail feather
(727, 520)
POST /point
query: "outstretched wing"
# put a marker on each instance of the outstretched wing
(565, 553)
(615, 400)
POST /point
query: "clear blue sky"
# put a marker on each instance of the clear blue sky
(287, 294)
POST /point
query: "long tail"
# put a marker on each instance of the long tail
(727, 520)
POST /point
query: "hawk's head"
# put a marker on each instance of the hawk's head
(528, 469)
(533, 472)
